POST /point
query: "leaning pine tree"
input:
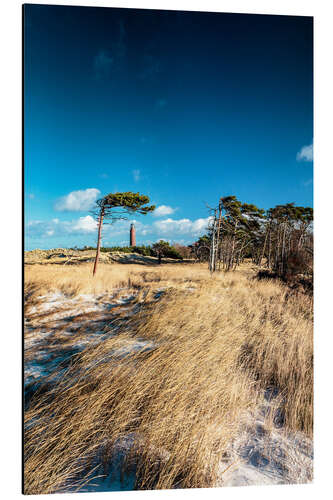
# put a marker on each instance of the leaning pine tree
(118, 206)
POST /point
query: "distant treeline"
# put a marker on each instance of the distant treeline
(169, 251)
(280, 238)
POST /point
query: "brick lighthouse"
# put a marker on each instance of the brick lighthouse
(132, 236)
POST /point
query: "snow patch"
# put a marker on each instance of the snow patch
(263, 454)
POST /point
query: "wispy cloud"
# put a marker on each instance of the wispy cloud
(305, 153)
(31, 196)
(104, 176)
(163, 210)
(136, 175)
(308, 182)
(77, 201)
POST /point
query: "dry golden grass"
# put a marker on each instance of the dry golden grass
(75, 280)
(213, 346)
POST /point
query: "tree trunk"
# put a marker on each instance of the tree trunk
(218, 252)
(283, 253)
(268, 263)
(264, 247)
(231, 262)
(238, 258)
(302, 234)
(212, 255)
(277, 248)
(100, 223)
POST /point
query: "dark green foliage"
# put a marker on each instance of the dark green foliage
(236, 228)
(289, 213)
(142, 250)
(118, 206)
(164, 249)
(172, 253)
(291, 240)
(183, 250)
(86, 248)
(167, 250)
(200, 249)
(115, 206)
(281, 238)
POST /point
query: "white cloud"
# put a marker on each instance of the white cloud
(305, 154)
(136, 175)
(163, 210)
(31, 196)
(84, 229)
(77, 200)
(172, 227)
(85, 224)
(55, 227)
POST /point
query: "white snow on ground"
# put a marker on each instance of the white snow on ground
(266, 454)
(58, 306)
(133, 345)
(113, 479)
(56, 313)
(261, 453)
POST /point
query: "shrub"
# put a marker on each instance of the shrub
(297, 263)
(164, 249)
(183, 250)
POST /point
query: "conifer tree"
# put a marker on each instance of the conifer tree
(118, 206)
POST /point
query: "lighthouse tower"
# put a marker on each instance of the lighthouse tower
(132, 236)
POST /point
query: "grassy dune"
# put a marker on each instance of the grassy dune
(173, 376)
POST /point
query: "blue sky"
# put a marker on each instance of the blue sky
(183, 107)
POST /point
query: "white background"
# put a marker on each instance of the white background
(10, 235)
